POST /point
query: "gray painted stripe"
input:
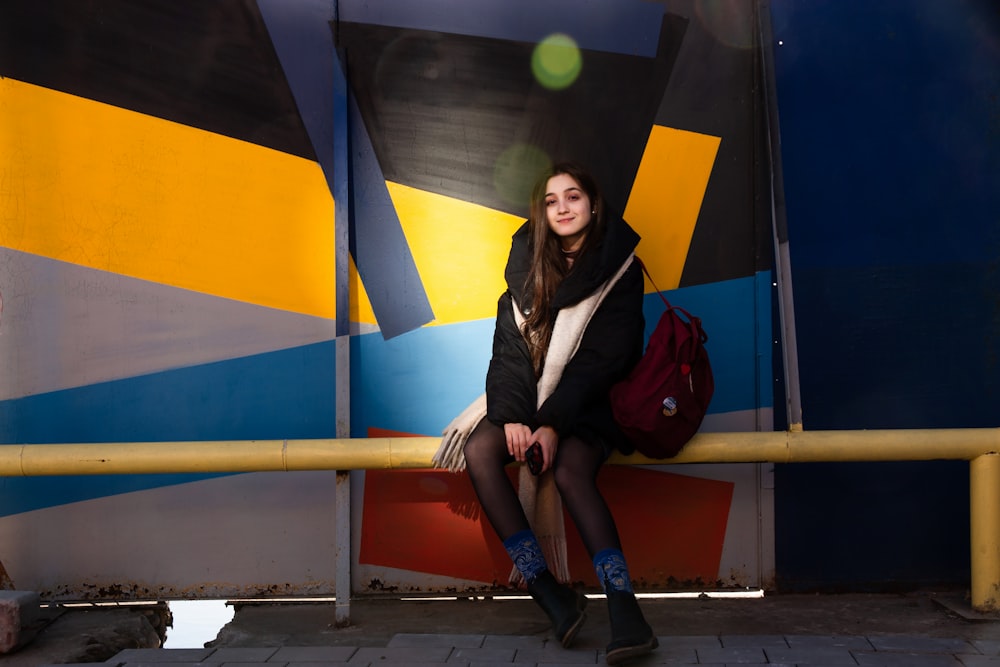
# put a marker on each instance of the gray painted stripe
(69, 326)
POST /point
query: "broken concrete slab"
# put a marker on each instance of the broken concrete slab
(19, 614)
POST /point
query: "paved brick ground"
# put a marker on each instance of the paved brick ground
(914, 630)
(426, 650)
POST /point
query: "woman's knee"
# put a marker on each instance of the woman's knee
(486, 446)
(576, 463)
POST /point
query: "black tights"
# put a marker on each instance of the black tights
(576, 466)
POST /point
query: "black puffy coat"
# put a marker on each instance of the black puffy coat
(611, 344)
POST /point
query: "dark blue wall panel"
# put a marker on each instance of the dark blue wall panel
(891, 146)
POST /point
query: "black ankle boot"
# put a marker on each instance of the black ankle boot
(631, 636)
(563, 605)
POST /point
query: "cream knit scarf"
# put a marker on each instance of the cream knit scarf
(538, 495)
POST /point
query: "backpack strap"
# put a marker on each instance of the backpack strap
(652, 282)
(693, 322)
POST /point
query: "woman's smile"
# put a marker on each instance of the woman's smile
(567, 210)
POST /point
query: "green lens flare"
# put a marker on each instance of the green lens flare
(556, 61)
(516, 170)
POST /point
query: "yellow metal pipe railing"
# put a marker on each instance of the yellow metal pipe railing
(135, 458)
(979, 446)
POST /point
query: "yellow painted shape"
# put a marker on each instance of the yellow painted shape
(361, 306)
(99, 186)
(460, 250)
(666, 197)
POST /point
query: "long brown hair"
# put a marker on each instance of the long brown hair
(548, 262)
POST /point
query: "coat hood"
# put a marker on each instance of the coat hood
(590, 271)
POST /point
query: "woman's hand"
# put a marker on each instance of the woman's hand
(518, 440)
(547, 437)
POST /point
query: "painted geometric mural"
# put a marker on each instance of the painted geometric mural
(454, 116)
(171, 249)
(165, 221)
(203, 203)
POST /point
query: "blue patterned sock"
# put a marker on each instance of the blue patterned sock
(526, 553)
(612, 571)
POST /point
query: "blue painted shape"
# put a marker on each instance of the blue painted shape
(630, 27)
(419, 382)
(284, 394)
(737, 347)
(380, 249)
(303, 39)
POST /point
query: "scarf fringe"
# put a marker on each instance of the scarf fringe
(450, 454)
(542, 505)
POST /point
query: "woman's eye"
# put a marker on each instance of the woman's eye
(550, 202)
(574, 197)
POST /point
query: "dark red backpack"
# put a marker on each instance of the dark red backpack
(662, 402)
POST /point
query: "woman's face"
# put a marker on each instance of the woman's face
(567, 210)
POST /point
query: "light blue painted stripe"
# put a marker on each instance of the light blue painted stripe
(285, 394)
(728, 312)
(418, 382)
(631, 27)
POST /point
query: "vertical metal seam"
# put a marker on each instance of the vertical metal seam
(783, 276)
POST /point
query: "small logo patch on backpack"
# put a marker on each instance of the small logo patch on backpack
(670, 406)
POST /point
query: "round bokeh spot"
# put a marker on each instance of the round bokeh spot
(556, 61)
(516, 170)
